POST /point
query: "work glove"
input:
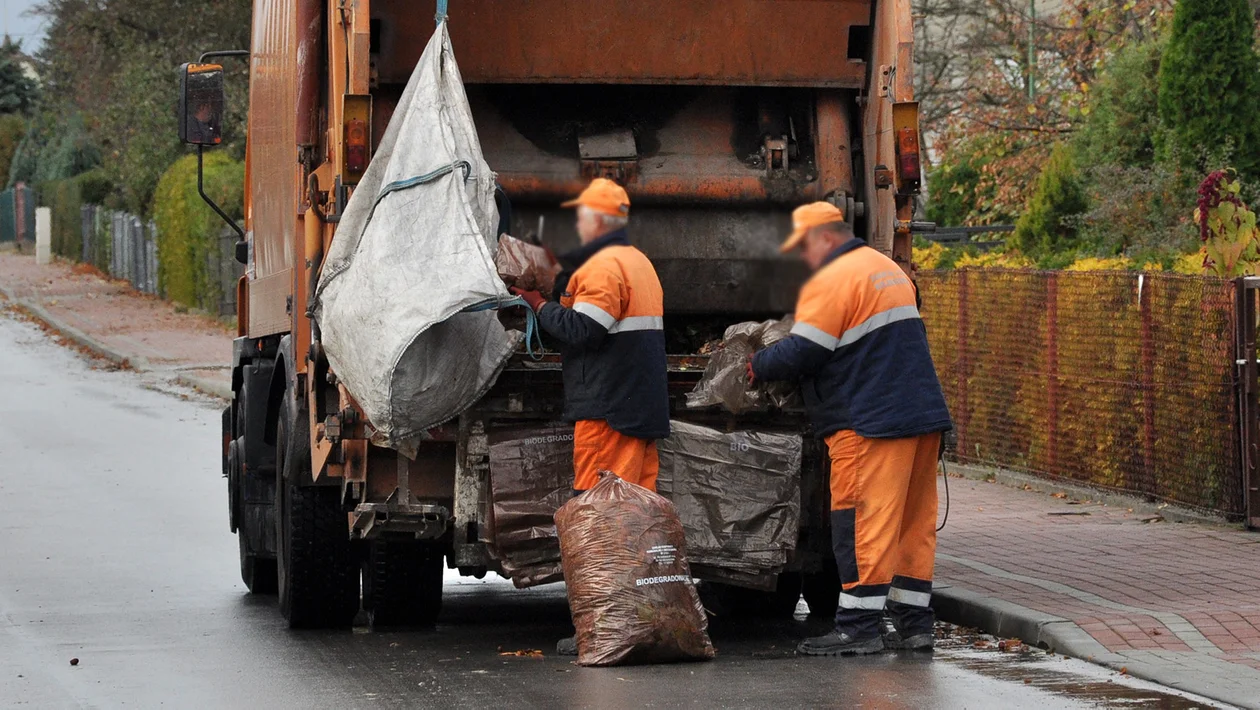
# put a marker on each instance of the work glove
(533, 298)
(752, 376)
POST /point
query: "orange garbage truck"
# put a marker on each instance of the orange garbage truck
(717, 116)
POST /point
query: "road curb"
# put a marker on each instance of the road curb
(1063, 636)
(206, 386)
(101, 350)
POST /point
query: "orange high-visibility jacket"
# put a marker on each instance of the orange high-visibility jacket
(610, 323)
(860, 351)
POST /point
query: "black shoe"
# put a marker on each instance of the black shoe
(838, 643)
(567, 647)
(916, 642)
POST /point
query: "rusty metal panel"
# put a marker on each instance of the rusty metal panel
(833, 149)
(892, 76)
(733, 42)
(269, 304)
(273, 167)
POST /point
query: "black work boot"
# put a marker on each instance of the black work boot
(913, 642)
(567, 646)
(839, 643)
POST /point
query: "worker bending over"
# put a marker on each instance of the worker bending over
(860, 353)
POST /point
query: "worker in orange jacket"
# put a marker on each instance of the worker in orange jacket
(860, 353)
(609, 323)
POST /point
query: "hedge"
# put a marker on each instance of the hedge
(188, 230)
(65, 199)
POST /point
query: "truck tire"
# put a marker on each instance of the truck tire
(402, 583)
(821, 590)
(317, 573)
(258, 574)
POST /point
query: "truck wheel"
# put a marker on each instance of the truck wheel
(258, 574)
(402, 583)
(317, 573)
(822, 591)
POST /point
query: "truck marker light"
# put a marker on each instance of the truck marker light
(356, 146)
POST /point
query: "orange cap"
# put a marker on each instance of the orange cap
(603, 196)
(806, 217)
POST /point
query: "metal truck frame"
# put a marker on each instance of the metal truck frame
(718, 116)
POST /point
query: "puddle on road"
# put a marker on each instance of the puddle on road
(1067, 677)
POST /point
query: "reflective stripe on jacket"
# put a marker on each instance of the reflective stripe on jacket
(610, 324)
(860, 350)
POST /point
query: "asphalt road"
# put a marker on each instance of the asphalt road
(116, 552)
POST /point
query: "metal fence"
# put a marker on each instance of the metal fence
(17, 215)
(126, 247)
(1123, 381)
(122, 245)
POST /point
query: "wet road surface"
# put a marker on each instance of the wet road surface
(116, 552)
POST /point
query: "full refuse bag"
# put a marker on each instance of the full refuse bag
(629, 584)
(405, 296)
(725, 378)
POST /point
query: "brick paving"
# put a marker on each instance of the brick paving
(1181, 596)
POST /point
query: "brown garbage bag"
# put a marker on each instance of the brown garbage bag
(525, 266)
(531, 476)
(725, 379)
(630, 587)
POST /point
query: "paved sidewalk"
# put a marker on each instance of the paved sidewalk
(113, 321)
(1176, 603)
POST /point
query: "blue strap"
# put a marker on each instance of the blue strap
(532, 332)
(441, 11)
(419, 180)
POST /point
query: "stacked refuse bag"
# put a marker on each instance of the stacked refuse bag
(531, 476)
(738, 496)
(725, 379)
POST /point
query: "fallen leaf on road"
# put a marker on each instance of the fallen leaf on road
(1012, 646)
(1124, 670)
(980, 509)
(524, 653)
(1059, 495)
(981, 644)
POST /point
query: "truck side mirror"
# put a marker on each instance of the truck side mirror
(201, 103)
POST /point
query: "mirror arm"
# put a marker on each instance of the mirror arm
(201, 191)
(223, 53)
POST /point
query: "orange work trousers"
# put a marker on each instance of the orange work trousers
(883, 529)
(598, 447)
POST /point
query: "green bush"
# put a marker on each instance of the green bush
(188, 230)
(1048, 225)
(1209, 86)
(1123, 121)
(959, 190)
(54, 149)
(12, 131)
(65, 200)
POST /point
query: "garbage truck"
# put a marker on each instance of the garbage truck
(717, 116)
